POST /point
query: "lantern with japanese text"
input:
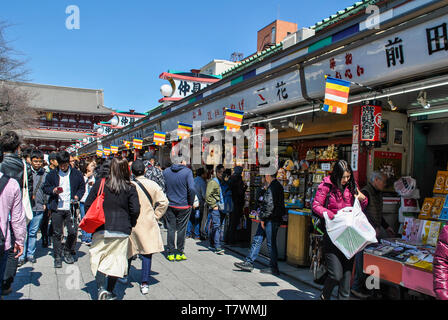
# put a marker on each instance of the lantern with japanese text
(370, 124)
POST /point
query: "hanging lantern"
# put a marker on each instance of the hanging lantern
(370, 124)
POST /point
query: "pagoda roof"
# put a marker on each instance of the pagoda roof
(64, 99)
(48, 134)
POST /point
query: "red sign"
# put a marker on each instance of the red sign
(370, 123)
(259, 137)
(388, 155)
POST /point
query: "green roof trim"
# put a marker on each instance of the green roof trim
(342, 14)
(320, 44)
(251, 60)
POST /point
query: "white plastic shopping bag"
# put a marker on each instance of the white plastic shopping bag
(350, 231)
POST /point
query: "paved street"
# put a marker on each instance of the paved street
(204, 275)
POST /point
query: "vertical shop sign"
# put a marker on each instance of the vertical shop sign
(355, 134)
(355, 155)
(370, 123)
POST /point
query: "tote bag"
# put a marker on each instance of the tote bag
(26, 202)
(94, 217)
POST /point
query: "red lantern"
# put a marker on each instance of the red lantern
(370, 123)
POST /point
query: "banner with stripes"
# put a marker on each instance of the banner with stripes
(99, 153)
(106, 151)
(138, 143)
(114, 149)
(336, 95)
(159, 138)
(184, 130)
(233, 120)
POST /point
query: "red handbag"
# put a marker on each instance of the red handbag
(94, 217)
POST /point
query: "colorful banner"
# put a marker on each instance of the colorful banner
(233, 120)
(184, 130)
(159, 138)
(114, 149)
(336, 95)
(106, 151)
(99, 153)
(138, 143)
(127, 144)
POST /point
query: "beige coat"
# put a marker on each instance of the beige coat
(146, 237)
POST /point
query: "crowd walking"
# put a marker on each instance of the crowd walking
(138, 198)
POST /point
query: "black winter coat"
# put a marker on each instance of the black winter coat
(121, 210)
(77, 186)
(273, 205)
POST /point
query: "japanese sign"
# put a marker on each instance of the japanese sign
(278, 91)
(370, 123)
(405, 53)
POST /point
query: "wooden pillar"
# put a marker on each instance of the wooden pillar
(360, 167)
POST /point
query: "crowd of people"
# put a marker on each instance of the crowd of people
(140, 197)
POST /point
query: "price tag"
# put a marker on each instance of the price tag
(325, 166)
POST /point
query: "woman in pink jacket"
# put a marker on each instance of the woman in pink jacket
(440, 266)
(341, 189)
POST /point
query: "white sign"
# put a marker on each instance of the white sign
(355, 134)
(281, 90)
(325, 166)
(396, 56)
(355, 156)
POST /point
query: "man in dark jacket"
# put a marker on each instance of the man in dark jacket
(39, 201)
(180, 193)
(63, 186)
(271, 214)
(13, 166)
(374, 213)
(239, 198)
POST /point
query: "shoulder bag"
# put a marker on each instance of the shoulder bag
(26, 202)
(94, 217)
(318, 266)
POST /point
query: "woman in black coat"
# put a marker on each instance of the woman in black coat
(108, 252)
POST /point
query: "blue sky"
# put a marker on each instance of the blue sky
(123, 46)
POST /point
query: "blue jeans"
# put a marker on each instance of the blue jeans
(270, 234)
(29, 247)
(194, 223)
(86, 237)
(146, 267)
(217, 224)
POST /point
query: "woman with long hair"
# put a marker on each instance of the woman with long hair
(337, 191)
(108, 252)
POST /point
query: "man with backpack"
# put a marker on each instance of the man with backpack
(215, 201)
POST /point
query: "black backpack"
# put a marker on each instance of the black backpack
(3, 182)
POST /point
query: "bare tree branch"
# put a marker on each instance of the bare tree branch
(15, 109)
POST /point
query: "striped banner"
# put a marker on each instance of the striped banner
(233, 120)
(106, 151)
(159, 138)
(127, 144)
(138, 143)
(99, 153)
(184, 130)
(336, 95)
(114, 149)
